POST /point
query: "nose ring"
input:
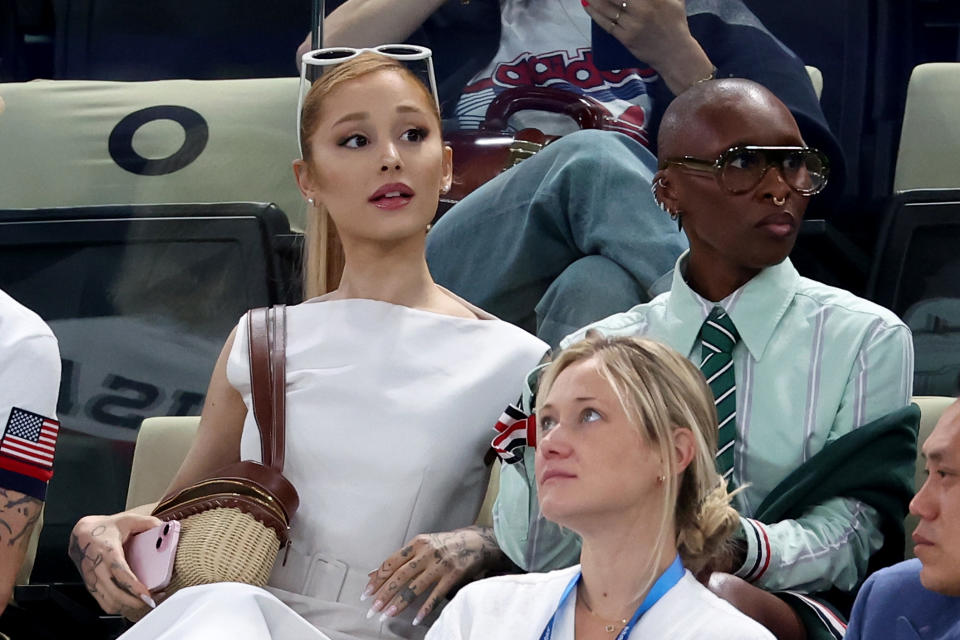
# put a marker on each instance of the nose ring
(779, 201)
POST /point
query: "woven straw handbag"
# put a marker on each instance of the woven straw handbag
(234, 522)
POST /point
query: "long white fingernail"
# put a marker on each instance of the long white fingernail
(417, 620)
(366, 593)
(372, 611)
(148, 601)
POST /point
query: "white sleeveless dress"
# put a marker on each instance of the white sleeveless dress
(389, 413)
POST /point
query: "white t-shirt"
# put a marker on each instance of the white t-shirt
(29, 383)
(547, 44)
(518, 607)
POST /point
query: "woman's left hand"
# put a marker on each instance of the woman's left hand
(656, 32)
(441, 559)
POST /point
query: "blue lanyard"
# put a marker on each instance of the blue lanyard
(667, 580)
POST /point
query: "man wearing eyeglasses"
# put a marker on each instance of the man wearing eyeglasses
(811, 382)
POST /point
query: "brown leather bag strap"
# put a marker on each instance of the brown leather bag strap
(266, 341)
(278, 380)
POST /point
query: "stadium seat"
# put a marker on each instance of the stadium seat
(162, 445)
(140, 298)
(931, 408)
(916, 274)
(930, 137)
(196, 39)
(816, 78)
(69, 143)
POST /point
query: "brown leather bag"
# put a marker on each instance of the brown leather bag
(234, 522)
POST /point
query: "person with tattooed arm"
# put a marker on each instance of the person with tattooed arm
(29, 383)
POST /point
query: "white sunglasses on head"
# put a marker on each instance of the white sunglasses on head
(331, 56)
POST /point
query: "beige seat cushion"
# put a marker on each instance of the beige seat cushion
(162, 445)
(817, 79)
(930, 136)
(56, 138)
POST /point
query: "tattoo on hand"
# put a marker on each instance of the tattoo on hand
(123, 586)
(85, 564)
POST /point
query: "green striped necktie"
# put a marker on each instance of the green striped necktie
(719, 336)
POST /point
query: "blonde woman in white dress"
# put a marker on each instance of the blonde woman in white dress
(393, 386)
(626, 431)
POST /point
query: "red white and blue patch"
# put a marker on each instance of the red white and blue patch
(515, 431)
(28, 444)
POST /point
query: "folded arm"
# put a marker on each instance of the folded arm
(830, 543)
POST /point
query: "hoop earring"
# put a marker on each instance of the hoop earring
(779, 202)
(653, 190)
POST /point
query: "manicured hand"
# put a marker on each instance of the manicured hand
(439, 561)
(96, 547)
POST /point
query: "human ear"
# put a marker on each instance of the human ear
(665, 193)
(684, 448)
(447, 169)
(301, 173)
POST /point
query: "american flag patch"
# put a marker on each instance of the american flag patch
(515, 431)
(30, 437)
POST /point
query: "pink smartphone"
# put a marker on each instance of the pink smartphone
(151, 553)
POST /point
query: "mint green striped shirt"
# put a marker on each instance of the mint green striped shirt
(814, 362)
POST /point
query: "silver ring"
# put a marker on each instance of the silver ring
(779, 202)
